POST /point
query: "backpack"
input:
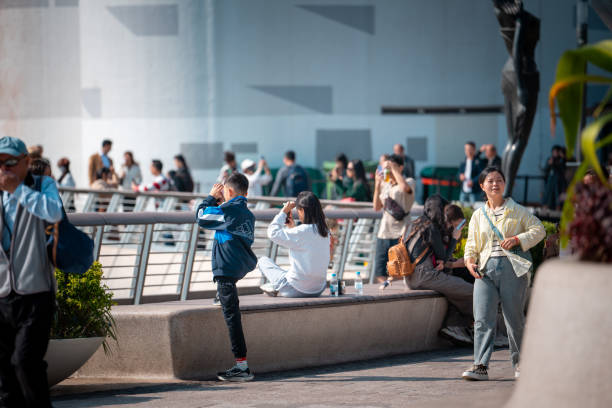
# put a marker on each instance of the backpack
(399, 264)
(70, 249)
(296, 181)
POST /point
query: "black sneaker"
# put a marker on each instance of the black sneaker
(476, 373)
(236, 374)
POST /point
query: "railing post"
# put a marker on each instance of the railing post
(142, 264)
(90, 202)
(188, 266)
(98, 232)
(113, 205)
(345, 244)
(274, 251)
(372, 262)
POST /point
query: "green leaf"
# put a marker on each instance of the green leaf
(573, 63)
(603, 103)
(590, 135)
(567, 213)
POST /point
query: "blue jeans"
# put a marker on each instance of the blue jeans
(467, 198)
(499, 284)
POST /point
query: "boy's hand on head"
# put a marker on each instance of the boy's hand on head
(217, 191)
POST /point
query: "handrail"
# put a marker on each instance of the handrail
(188, 217)
(190, 196)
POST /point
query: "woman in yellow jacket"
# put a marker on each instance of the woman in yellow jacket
(497, 255)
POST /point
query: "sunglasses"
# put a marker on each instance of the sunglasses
(11, 162)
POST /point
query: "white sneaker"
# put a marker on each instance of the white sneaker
(384, 285)
(476, 373)
(517, 372)
(268, 289)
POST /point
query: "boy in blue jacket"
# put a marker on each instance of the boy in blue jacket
(232, 258)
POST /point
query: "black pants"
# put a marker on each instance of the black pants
(228, 295)
(382, 255)
(25, 323)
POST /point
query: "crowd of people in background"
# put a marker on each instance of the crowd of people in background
(349, 179)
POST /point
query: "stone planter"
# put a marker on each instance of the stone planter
(566, 355)
(65, 356)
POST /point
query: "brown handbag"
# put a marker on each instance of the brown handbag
(399, 264)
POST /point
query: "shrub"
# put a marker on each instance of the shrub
(591, 229)
(84, 306)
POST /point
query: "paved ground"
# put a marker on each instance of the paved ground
(424, 380)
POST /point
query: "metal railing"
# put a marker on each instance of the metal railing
(162, 256)
(88, 200)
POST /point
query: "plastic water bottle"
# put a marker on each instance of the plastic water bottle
(359, 284)
(333, 285)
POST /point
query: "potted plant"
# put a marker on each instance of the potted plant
(83, 322)
(565, 354)
(568, 91)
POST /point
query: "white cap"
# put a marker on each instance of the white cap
(246, 163)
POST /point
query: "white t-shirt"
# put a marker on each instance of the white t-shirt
(468, 175)
(308, 254)
(256, 182)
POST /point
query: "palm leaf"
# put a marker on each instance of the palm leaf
(590, 145)
(572, 65)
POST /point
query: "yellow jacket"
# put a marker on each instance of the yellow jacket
(516, 220)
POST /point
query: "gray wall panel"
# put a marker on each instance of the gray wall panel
(203, 155)
(244, 147)
(416, 148)
(144, 20)
(354, 143)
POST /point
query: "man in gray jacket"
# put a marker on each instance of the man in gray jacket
(27, 282)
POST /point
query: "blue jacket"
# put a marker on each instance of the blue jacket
(234, 227)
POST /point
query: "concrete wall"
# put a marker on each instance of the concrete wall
(157, 76)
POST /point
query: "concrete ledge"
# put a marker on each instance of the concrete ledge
(188, 340)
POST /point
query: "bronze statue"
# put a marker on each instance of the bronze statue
(520, 80)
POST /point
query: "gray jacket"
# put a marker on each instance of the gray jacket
(28, 269)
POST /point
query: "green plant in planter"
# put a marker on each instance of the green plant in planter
(568, 91)
(84, 306)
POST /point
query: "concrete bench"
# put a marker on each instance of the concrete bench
(189, 340)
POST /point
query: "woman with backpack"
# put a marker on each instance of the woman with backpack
(309, 250)
(496, 254)
(425, 240)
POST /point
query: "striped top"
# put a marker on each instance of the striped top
(496, 249)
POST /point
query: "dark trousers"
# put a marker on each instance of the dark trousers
(382, 255)
(228, 296)
(25, 323)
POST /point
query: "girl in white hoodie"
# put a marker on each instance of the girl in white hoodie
(308, 246)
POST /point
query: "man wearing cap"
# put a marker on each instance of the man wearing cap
(27, 282)
(256, 179)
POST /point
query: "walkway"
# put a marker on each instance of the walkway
(423, 380)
